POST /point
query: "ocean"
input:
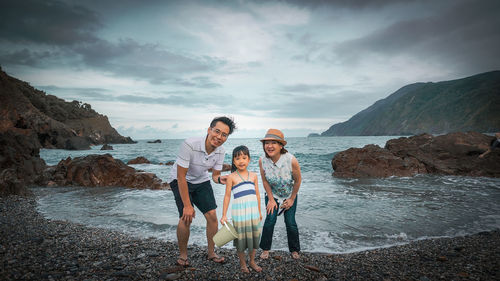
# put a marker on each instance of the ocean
(333, 215)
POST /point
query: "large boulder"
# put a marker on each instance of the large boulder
(374, 161)
(451, 154)
(102, 170)
(20, 162)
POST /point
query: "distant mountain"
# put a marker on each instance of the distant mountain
(56, 123)
(468, 104)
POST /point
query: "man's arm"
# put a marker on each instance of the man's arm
(217, 178)
(188, 212)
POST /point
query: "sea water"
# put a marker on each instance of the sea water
(333, 215)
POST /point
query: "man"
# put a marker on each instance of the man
(190, 183)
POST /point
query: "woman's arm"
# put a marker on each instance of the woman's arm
(227, 199)
(297, 180)
(271, 204)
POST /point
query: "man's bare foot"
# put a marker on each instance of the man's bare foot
(295, 255)
(264, 255)
(255, 267)
(244, 269)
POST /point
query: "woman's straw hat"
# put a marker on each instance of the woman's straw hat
(275, 135)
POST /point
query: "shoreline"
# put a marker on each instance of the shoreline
(35, 248)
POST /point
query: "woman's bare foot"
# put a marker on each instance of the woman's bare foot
(264, 255)
(295, 255)
(244, 269)
(255, 267)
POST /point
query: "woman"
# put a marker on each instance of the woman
(280, 172)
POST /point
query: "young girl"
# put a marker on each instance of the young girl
(245, 210)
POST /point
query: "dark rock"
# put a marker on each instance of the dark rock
(312, 267)
(139, 160)
(77, 143)
(103, 170)
(106, 147)
(373, 161)
(20, 162)
(156, 141)
(451, 154)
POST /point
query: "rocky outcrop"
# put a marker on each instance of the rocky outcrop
(102, 170)
(155, 141)
(451, 154)
(20, 162)
(139, 160)
(56, 123)
(106, 147)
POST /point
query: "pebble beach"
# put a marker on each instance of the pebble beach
(35, 248)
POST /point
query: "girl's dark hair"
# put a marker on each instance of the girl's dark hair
(282, 151)
(238, 151)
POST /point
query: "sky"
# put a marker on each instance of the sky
(165, 69)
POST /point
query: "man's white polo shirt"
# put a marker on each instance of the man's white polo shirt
(193, 155)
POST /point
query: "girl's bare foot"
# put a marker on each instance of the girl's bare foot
(255, 267)
(295, 255)
(244, 269)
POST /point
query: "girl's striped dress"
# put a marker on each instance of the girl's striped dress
(245, 214)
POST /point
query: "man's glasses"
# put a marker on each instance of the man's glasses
(219, 133)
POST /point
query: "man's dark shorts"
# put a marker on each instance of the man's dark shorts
(200, 194)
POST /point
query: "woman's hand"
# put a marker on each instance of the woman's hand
(287, 203)
(223, 220)
(271, 206)
(260, 214)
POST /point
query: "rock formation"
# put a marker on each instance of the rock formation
(467, 104)
(102, 170)
(139, 160)
(55, 122)
(106, 147)
(451, 154)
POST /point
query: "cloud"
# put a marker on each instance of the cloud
(47, 22)
(147, 61)
(43, 33)
(464, 36)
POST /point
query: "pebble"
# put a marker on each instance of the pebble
(34, 248)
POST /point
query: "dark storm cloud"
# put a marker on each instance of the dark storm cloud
(47, 22)
(43, 33)
(465, 36)
(26, 57)
(130, 58)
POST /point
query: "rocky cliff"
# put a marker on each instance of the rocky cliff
(468, 104)
(56, 123)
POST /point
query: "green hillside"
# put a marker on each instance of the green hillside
(468, 104)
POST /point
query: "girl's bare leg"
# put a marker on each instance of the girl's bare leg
(253, 265)
(243, 262)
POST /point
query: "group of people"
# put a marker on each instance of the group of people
(191, 186)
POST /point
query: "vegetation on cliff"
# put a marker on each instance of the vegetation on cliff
(468, 104)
